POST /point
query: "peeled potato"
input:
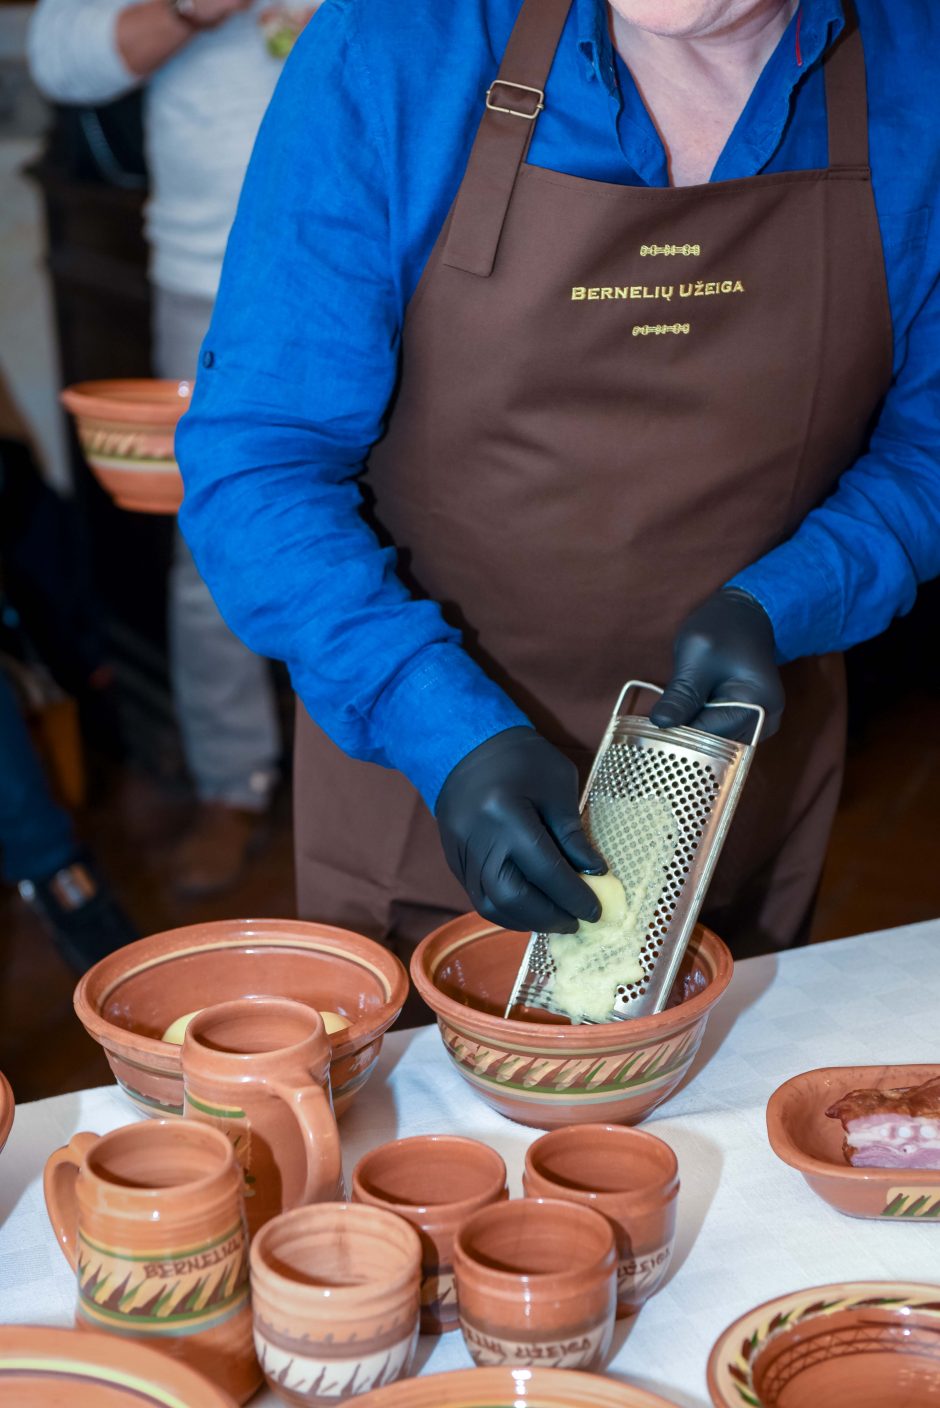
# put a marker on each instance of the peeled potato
(177, 1030)
(334, 1022)
(610, 892)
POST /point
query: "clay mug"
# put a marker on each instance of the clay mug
(335, 1289)
(435, 1182)
(628, 1175)
(537, 1284)
(151, 1218)
(259, 1070)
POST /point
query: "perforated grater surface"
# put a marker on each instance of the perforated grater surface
(657, 805)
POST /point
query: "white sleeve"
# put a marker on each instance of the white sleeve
(73, 51)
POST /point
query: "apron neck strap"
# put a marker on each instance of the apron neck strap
(517, 96)
(847, 96)
(513, 104)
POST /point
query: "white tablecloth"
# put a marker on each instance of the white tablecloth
(749, 1228)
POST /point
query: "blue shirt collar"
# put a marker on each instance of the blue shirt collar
(817, 24)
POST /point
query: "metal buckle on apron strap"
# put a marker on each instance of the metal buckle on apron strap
(520, 88)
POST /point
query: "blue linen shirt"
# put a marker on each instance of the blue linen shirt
(357, 161)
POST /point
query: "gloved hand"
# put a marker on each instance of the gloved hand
(509, 821)
(724, 650)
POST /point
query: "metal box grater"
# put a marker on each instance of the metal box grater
(657, 805)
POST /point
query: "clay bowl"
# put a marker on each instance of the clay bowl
(126, 430)
(546, 1072)
(859, 1344)
(522, 1388)
(43, 1368)
(7, 1107)
(803, 1136)
(129, 999)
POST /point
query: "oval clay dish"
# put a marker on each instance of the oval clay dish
(511, 1388)
(45, 1368)
(803, 1136)
(855, 1344)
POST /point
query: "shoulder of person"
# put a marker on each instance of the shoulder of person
(903, 31)
(418, 37)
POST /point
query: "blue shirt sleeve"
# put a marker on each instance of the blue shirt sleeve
(856, 561)
(296, 374)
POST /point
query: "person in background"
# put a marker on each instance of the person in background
(626, 318)
(48, 644)
(210, 67)
(41, 855)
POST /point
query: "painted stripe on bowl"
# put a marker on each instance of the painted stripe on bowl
(97, 1373)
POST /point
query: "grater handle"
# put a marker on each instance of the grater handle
(632, 685)
(733, 704)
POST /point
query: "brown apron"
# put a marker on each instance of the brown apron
(612, 398)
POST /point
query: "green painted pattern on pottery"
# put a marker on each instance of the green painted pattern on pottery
(217, 1111)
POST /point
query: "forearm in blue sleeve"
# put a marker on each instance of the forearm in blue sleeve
(297, 371)
(856, 562)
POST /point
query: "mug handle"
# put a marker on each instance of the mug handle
(312, 1108)
(58, 1185)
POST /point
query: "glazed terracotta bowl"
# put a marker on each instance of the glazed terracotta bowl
(7, 1107)
(126, 431)
(129, 999)
(546, 1072)
(44, 1368)
(803, 1136)
(861, 1344)
(522, 1388)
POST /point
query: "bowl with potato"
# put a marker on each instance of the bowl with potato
(545, 1070)
(137, 1002)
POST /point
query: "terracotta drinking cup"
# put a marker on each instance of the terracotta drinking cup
(537, 1284)
(435, 1182)
(336, 1290)
(629, 1176)
(259, 1070)
(151, 1218)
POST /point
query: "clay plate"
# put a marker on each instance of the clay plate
(7, 1107)
(511, 1388)
(127, 1001)
(802, 1135)
(546, 1072)
(855, 1344)
(126, 430)
(43, 1368)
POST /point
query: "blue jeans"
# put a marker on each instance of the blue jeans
(36, 836)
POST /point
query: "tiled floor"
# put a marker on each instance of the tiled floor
(883, 869)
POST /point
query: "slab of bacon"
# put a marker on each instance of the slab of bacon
(891, 1128)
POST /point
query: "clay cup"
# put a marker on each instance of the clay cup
(259, 1070)
(335, 1289)
(537, 1284)
(435, 1182)
(628, 1175)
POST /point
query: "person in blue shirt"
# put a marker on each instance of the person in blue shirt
(559, 343)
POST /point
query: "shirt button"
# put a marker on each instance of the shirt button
(208, 358)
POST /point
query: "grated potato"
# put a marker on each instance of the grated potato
(593, 962)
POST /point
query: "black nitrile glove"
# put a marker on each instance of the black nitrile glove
(724, 650)
(508, 816)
